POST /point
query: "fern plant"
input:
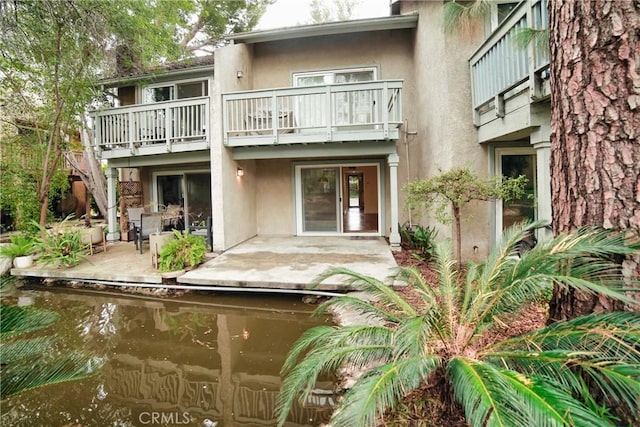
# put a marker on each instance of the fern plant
(62, 246)
(183, 251)
(445, 340)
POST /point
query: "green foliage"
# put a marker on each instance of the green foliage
(61, 246)
(449, 339)
(28, 363)
(461, 15)
(183, 251)
(21, 244)
(20, 176)
(456, 188)
(420, 238)
(451, 191)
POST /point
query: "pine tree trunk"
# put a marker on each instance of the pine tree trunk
(595, 127)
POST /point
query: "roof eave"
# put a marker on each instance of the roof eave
(112, 81)
(318, 30)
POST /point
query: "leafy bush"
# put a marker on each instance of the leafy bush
(21, 245)
(183, 251)
(447, 340)
(420, 238)
(61, 246)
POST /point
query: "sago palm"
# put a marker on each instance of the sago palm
(554, 376)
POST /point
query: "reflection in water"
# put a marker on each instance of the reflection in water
(203, 360)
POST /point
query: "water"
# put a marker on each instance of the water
(197, 360)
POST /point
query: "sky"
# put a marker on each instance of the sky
(289, 13)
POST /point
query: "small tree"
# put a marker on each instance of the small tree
(451, 191)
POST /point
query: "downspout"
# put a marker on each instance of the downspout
(406, 144)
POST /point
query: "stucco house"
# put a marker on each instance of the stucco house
(313, 130)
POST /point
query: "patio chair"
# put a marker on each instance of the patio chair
(149, 223)
(133, 215)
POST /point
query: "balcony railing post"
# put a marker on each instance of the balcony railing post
(207, 113)
(97, 130)
(168, 122)
(385, 110)
(131, 130)
(275, 117)
(329, 112)
(531, 52)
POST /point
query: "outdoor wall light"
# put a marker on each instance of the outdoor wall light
(239, 172)
(239, 74)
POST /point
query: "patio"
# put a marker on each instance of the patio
(274, 264)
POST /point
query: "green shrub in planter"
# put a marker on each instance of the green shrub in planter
(21, 245)
(186, 250)
(62, 246)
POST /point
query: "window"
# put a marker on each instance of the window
(170, 92)
(349, 107)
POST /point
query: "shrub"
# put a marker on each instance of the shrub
(446, 340)
(186, 250)
(21, 245)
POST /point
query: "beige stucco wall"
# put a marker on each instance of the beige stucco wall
(233, 198)
(275, 197)
(445, 136)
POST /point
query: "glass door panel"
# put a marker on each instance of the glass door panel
(320, 199)
(198, 197)
(169, 190)
(523, 209)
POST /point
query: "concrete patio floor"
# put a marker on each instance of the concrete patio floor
(261, 263)
(294, 262)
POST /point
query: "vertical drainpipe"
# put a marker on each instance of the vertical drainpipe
(394, 236)
(112, 208)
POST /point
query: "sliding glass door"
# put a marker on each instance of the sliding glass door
(320, 199)
(338, 199)
(190, 191)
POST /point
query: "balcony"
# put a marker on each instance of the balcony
(507, 79)
(148, 129)
(366, 111)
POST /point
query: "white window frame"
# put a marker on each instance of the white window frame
(174, 85)
(332, 73)
(339, 185)
(182, 173)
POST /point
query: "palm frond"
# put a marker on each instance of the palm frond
(375, 287)
(545, 404)
(603, 347)
(583, 260)
(19, 377)
(483, 283)
(380, 388)
(366, 310)
(414, 335)
(447, 287)
(300, 380)
(24, 348)
(332, 337)
(458, 15)
(414, 278)
(485, 395)
(15, 320)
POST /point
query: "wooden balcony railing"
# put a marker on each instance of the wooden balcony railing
(500, 68)
(340, 112)
(151, 128)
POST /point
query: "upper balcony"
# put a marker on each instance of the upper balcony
(157, 128)
(507, 79)
(365, 111)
